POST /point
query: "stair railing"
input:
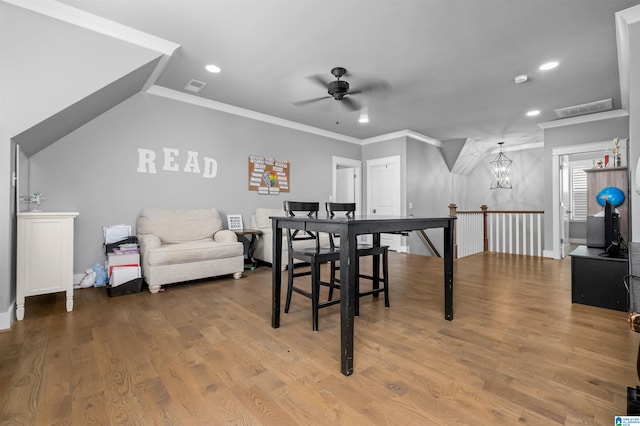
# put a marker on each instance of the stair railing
(501, 231)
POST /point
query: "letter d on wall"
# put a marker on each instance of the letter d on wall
(210, 168)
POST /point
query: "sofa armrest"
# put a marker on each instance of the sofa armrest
(148, 241)
(225, 236)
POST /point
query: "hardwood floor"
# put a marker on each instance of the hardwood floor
(517, 352)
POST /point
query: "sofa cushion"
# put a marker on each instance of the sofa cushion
(196, 251)
(262, 216)
(179, 226)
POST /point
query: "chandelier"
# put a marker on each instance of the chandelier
(501, 168)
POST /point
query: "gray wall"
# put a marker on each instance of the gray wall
(428, 184)
(527, 174)
(596, 131)
(428, 189)
(78, 62)
(93, 170)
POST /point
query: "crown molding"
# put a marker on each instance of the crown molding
(587, 118)
(231, 109)
(403, 134)
(522, 147)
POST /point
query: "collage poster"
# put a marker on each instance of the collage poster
(268, 175)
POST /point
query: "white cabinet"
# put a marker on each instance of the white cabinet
(45, 256)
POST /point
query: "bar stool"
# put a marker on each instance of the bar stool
(362, 250)
(314, 256)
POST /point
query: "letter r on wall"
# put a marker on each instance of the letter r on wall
(146, 161)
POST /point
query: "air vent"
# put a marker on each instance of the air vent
(195, 86)
(590, 108)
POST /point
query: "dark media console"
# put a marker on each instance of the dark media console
(598, 270)
(597, 279)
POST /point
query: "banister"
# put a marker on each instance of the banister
(504, 238)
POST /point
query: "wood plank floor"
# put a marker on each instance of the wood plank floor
(517, 352)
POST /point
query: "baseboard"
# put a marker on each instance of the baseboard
(548, 253)
(581, 241)
(403, 249)
(6, 318)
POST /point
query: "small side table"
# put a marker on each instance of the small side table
(44, 256)
(249, 238)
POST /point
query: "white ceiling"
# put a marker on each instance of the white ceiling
(450, 64)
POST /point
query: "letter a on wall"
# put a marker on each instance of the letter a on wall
(268, 175)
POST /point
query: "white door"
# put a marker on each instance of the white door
(383, 193)
(565, 206)
(345, 185)
(347, 182)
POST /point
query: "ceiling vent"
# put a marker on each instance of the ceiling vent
(590, 108)
(195, 86)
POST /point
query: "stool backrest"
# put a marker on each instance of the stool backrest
(291, 208)
(348, 208)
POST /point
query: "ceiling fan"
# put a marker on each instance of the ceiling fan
(340, 90)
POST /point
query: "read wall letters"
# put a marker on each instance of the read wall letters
(173, 161)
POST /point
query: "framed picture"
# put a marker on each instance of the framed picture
(234, 221)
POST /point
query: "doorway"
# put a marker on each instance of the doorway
(347, 182)
(558, 213)
(384, 194)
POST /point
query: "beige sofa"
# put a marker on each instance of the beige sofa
(264, 247)
(183, 245)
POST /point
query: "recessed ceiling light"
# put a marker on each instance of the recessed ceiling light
(213, 68)
(521, 78)
(533, 113)
(548, 66)
(363, 119)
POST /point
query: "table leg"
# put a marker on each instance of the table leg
(252, 249)
(276, 275)
(348, 296)
(448, 272)
(376, 265)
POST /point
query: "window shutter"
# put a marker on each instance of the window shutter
(578, 193)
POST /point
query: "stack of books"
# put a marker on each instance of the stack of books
(123, 260)
(126, 248)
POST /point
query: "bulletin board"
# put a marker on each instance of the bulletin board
(268, 175)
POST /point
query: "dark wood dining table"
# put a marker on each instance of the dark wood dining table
(349, 228)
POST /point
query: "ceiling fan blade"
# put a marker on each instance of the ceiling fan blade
(320, 80)
(310, 101)
(377, 86)
(350, 103)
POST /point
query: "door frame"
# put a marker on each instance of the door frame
(347, 162)
(395, 242)
(556, 213)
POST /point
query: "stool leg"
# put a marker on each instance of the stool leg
(332, 279)
(375, 274)
(289, 286)
(385, 276)
(357, 285)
